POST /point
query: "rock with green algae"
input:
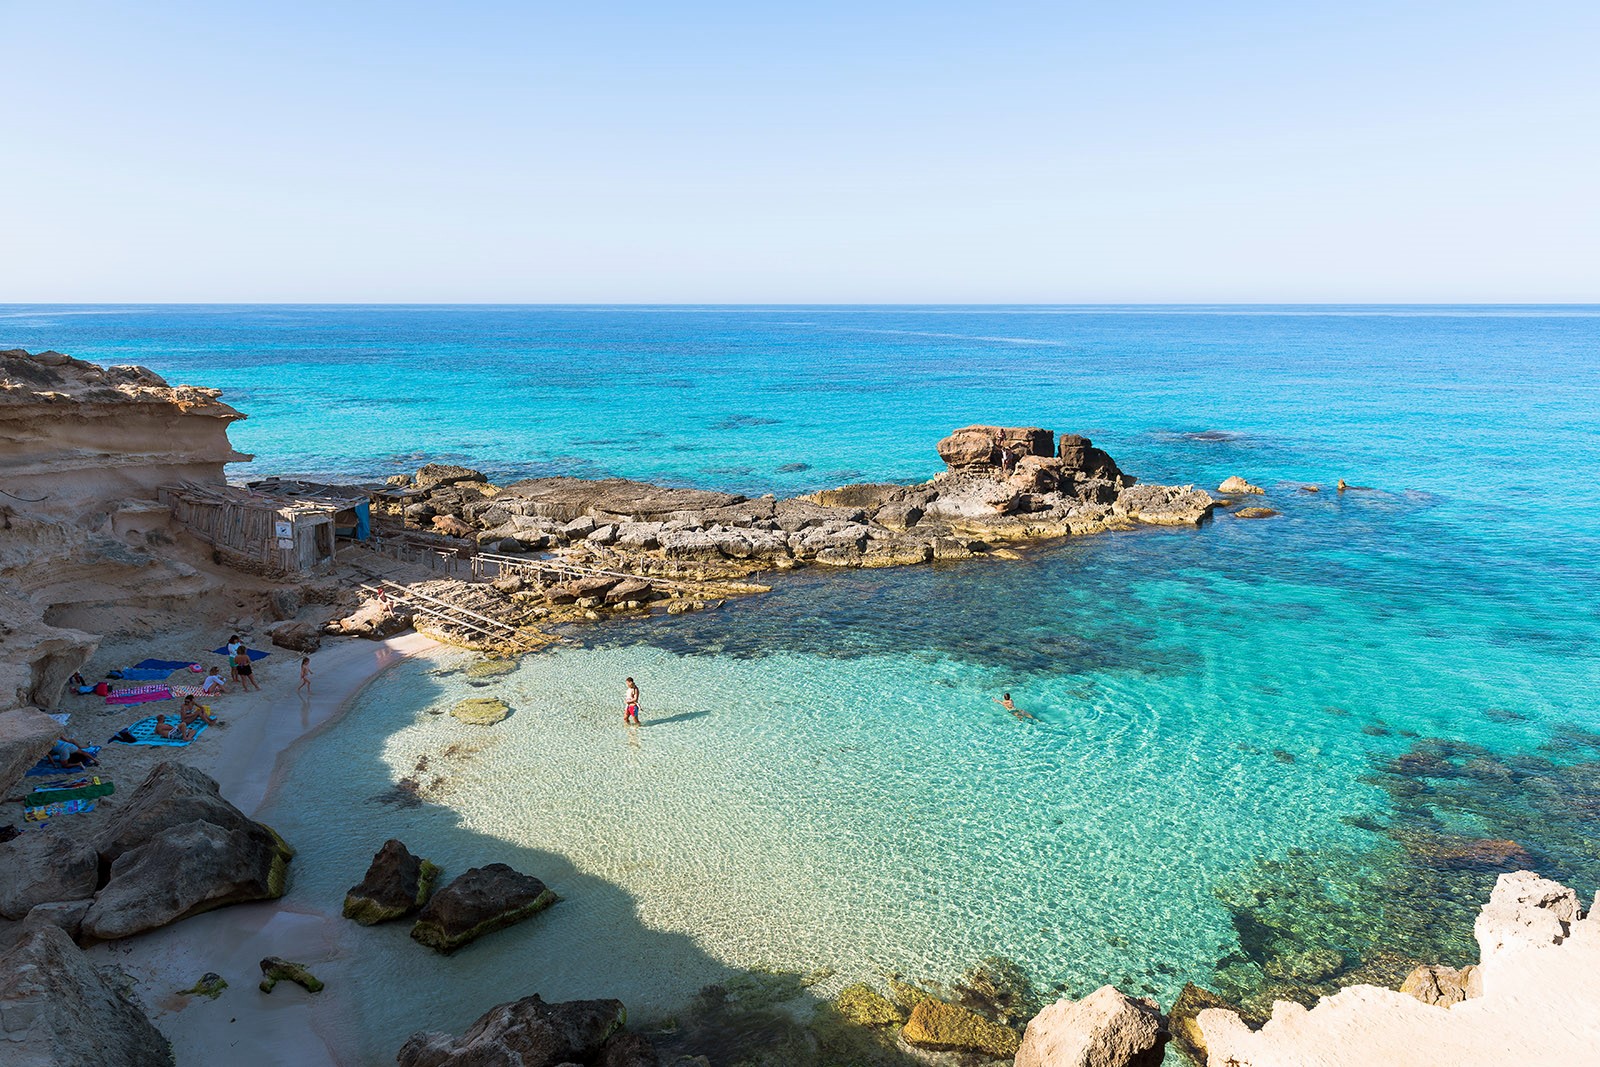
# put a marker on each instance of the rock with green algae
(1000, 989)
(943, 1027)
(906, 995)
(481, 711)
(397, 884)
(275, 970)
(479, 901)
(210, 985)
(860, 1003)
(490, 668)
(1181, 1021)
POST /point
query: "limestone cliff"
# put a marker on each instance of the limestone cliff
(82, 450)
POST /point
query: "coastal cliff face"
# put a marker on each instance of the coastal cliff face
(82, 450)
(76, 438)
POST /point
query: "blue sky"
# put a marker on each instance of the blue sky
(708, 152)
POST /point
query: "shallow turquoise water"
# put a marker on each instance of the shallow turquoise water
(827, 782)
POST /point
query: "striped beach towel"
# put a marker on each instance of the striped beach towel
(139, 694)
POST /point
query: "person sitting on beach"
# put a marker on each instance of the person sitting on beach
(193, 711)
(213, 683)
(1006, 702)
(171, 732)
(383, 601)
(68, 753)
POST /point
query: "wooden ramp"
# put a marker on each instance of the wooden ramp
(543, 569)
(440, 610)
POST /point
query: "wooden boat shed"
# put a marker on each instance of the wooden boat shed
(256, 531)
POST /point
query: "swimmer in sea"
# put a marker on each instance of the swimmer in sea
(1006, 702)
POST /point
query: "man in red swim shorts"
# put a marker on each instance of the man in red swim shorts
(630, 707)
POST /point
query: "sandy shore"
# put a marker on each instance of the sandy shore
(247, 757)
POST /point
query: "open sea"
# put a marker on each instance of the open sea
(1271, 757)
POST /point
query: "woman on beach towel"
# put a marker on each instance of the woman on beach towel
(68, 753)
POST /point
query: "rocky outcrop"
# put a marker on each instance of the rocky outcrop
(524, 1033)
(434, 475)
(1532, 998)
(1237, 486)
(1107, 1028)
(941, 1027)
(57, 1010)
(478, 902)
(177, 848)
(1525, 911)
(396, 884)
(25, 737)
(372, 620)
(1440, 985)
(45, 866)
(979, 447)
(1183, 1020)
(84, 449)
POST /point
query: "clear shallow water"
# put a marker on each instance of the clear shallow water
(833, 786)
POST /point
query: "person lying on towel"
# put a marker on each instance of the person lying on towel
(172, 731)
(68, 753)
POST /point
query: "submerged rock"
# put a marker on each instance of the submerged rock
(1105, 1029)
(481, 711)
(58, 1009)
(1254, 513)
(862, 1004)
(396, 884)
(275, 970)
(478, 902)
(1183, 1022)
(939, 1026)
(523, 1033)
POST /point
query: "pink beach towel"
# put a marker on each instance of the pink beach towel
(139, 694)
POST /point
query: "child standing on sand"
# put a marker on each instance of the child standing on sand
(305, 675)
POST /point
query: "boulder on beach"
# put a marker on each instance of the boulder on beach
(177, 848)
(297, 636)
(941, 1027)
(1439, 985)
(25, 737)
(481, 711)
(57, 1009)
(45, 866)
(478, 902)
(1236, 486)
(396, 884)
(1107, 1028)
(526, 1033)
(372, 620)
(275, 970)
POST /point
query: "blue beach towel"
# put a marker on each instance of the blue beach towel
(145, 674)
(144, 733)
(254, 653)
(45, 767)
(168, 665)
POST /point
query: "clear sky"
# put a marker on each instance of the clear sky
(817, 152)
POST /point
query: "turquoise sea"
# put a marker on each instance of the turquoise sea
(1272, 757)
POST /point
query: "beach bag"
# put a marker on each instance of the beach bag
(102, 689)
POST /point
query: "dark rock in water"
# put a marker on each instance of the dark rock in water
(1450, 852)
(60, 1009)
(1186, 1034)
(479, 901)
(397, 883)
(1283, 755)
(275, 970)
(523, 1033)
(45, 866)
(998, 988)
(1254, 513)
(793, 468)
(627, 1050)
